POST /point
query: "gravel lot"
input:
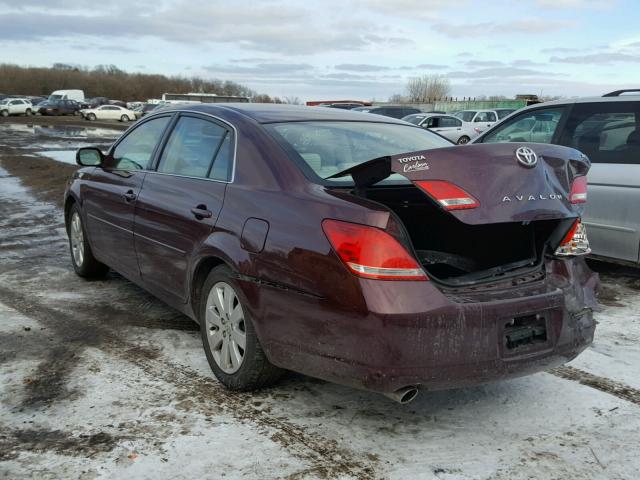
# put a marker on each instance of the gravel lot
(100, 380)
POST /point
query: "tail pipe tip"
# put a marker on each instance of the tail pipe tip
(403, 395)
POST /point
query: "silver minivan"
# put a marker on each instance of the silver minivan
(607, 130)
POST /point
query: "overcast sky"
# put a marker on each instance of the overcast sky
(333, 49)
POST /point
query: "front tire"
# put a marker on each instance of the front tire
(229, 337)
(124, 118)
(4, 113)
(463, 140)
(84, 263)
(28, 112)
(91, 117)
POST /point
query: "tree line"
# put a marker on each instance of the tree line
(111, 82)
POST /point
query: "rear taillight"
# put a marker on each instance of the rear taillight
(575, 242)
(448, 195)
(371, 252)
(578, 190)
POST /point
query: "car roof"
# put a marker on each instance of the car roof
(567, 101)
(272, 113)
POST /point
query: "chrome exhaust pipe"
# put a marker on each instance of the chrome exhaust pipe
(403, 395)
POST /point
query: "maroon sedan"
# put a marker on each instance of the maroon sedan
(354, 248)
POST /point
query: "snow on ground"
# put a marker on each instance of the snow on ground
(100, 380)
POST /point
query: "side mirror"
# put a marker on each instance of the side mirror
(89, 157)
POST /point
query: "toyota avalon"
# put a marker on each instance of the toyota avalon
(350, 247)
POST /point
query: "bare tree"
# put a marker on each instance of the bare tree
(292, 100)
(427, 88)
(398, 98)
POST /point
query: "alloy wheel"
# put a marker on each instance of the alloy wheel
(77, 239)
(225, 327)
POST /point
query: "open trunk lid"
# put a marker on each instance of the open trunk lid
(511, 182)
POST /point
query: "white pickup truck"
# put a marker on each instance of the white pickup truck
(15, 106)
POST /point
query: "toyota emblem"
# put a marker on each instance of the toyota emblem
(526, 157)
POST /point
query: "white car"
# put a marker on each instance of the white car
(15, 106)
(483, 119)
(109, 112)
(448, 126)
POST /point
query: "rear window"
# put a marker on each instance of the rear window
(322, 149)
(605, 132)
(504, 113)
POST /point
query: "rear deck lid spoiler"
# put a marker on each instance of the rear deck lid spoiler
(513, 182)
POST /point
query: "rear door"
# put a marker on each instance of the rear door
(449, 127)
(180, 201)
(609, 134)
(110, 194)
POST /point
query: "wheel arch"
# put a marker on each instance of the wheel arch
(200, 274)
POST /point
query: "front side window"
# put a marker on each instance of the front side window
(135, 151)
(322, 149)
(192, 147)
(537, 125)
(605, 132)
(466, 115)
(415, 119)
(485, 117)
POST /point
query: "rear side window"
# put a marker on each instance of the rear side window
(192, 148)
(134, 152)
(605, 132)
(533, 126)
(449, 122)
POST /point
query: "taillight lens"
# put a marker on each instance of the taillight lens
(448, 195)
(579, 190)
(575, 242)
(371, 252)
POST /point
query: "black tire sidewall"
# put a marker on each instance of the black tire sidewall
(465, 142)
(239, 379)
(90, 266)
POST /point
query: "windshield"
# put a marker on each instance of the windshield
(466, 115)
(4, 102)
(54, 97)
(326, 148)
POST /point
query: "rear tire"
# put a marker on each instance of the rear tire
(229, 338)
(84, 263)
(463, 140)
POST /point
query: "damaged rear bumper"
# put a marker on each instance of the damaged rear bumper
(415, 334)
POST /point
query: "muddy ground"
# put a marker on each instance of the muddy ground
(101, 380)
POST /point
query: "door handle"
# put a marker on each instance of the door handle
(201, 212)
(129, 196)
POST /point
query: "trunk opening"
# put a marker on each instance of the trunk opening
(455, 253)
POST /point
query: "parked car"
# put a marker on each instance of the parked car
(15, 106)
(392, 111)
(109, 112)
(59, 107)
(607, 130)
(77, 95)
(343, 105)
(272, 227)
(95, 102)
(145, 109)
(448, 126)
(479, 119)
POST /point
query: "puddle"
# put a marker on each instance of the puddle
(57, 142)
(65, 156)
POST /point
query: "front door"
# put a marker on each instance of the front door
(111, 192)
(179, 203)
